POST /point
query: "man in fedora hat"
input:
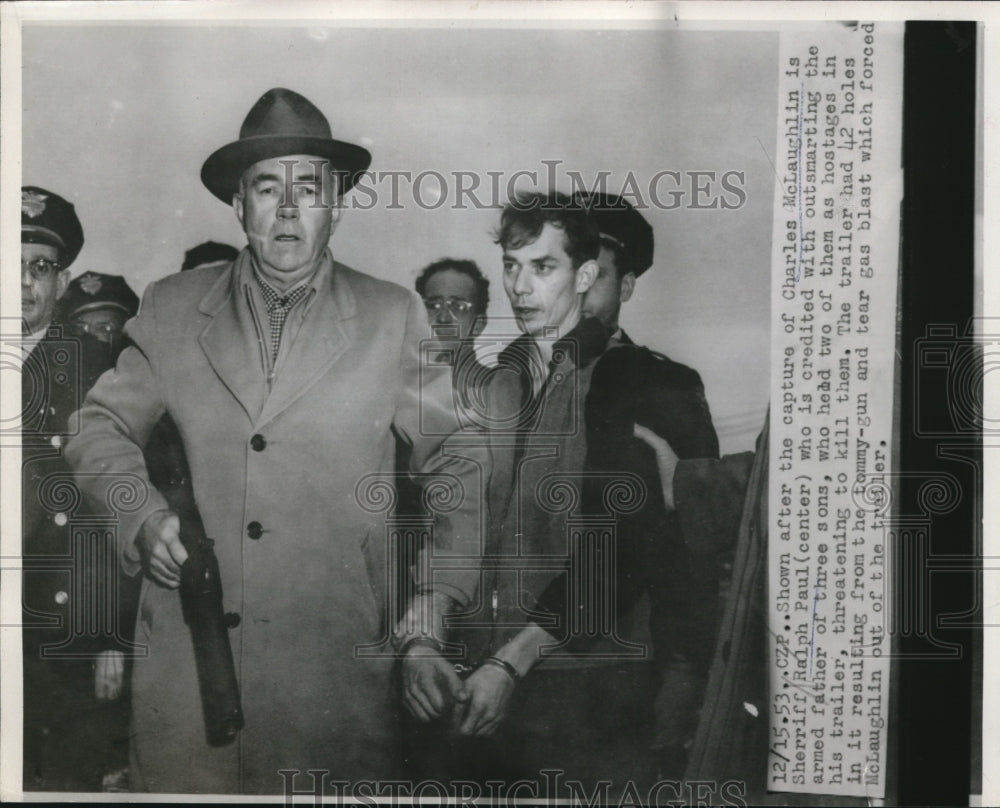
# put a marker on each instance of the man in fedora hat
(287, 374)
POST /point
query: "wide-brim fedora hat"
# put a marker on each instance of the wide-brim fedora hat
(282, 122)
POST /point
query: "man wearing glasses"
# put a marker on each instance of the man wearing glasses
(51, 238)
(95, 308)
(98, 305)
(456, 294)
(67, 734)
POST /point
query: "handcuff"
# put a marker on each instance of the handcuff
(464, 671)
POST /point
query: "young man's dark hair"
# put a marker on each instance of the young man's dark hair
(523, 219)
(464, 267)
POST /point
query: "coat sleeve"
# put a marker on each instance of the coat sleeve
(451, 466)
(671, 401)
(631, 385)
(112, 426)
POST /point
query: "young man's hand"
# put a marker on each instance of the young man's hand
(430, 684)
(489, 690)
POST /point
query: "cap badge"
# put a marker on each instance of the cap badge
(90, 283)
(33, 203)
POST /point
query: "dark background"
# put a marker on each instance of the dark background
(937, 689)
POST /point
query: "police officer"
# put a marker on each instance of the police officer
(51, 238)
(95, 309)
(626, 253)
(67, 740)
(98, 305)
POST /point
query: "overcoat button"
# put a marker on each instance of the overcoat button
(257, 443)
(60, 519)
(231, 619)
(61, 598)
(255, 530)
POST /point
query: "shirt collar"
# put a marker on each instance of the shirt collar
(579, 347)
(273, 298)
(247, 270)
(583, 344)
(29, 341)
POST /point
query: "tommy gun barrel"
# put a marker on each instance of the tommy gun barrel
(201, 596)
(201, 600)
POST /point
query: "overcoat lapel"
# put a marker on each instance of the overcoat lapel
(231, 344)
(318, 345)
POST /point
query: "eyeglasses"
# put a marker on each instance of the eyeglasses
(453, 304)
(40, 268)
(99, 329)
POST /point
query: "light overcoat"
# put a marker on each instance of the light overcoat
(309, 582)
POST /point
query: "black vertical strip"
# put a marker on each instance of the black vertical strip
(939, 136)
